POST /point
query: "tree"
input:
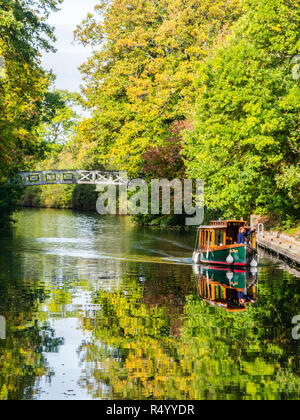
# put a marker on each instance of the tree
(59, 118)
(140, 78)
(245, 142)
(166, 161)
(23, 35)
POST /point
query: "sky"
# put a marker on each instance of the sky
(65, 62)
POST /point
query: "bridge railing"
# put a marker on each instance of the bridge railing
(69, 177)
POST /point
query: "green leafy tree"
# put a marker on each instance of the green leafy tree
(60, 117)
(23, 35)
(245, 141)
(140, 78)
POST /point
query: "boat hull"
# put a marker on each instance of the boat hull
(232, 256)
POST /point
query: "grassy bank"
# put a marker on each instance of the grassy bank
(76, 197)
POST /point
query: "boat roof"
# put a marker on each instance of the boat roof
(213, 227)
(222, 224)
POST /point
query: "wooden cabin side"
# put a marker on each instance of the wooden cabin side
(221, 235)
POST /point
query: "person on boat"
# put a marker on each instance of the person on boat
(243, 234)
(244, 298)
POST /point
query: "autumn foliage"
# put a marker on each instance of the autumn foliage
(166, 161)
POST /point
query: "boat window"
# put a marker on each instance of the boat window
(209, 237)
(219, 238)
(206, 237)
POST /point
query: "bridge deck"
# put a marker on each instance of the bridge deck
(69, 177)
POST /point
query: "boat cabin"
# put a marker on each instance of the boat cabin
(224, 296)
(222, 234)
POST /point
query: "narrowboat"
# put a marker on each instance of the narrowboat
(218, 244)
(231, 289)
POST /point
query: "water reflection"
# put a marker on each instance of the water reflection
(230, 289)
(136, 353)
(22, 353)
(97, 308)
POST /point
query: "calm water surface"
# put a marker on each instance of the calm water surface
(97, 308)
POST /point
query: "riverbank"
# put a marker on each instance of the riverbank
(66, 197)
(283, 246)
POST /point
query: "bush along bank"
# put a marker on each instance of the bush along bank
(76, 197)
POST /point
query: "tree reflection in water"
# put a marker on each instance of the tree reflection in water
(22, 359)
(136, 352)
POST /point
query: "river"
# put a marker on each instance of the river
(98, 308)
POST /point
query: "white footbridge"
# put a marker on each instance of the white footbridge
(66, 177)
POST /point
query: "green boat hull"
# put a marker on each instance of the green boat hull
(235, 256)
(234, 279)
